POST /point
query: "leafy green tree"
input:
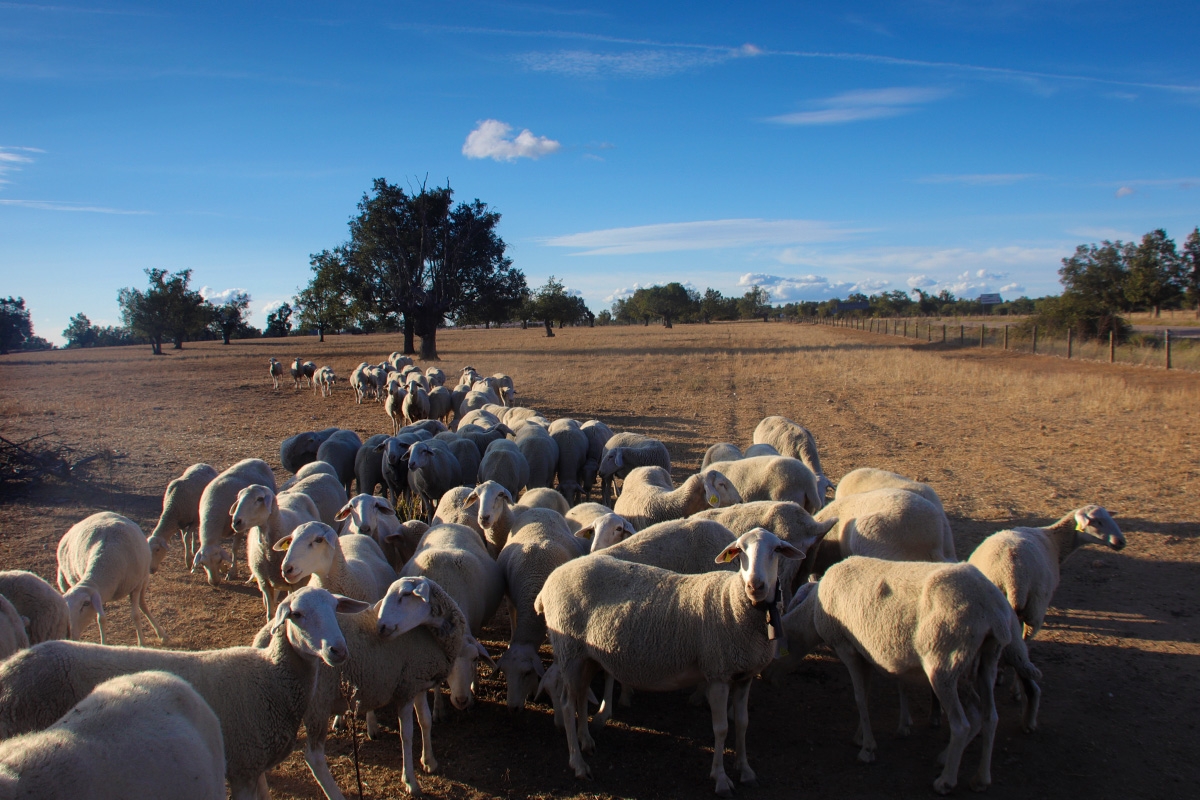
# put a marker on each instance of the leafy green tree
(670, 302)
(230, 317)
(605, 317)
(279, 322)
(1099, 272)
(167, 308)
(1155, 272)
(327, 303)
(755, 303)
(80, 332)
(552, 304)
(15, 325)
(1191, 268)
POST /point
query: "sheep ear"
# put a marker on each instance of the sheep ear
(348, 605)
(728, 554)
(789, 550)
(385, 508)
(342, 514)
(471, 500)
(281, 616)
(1082, 520)
(97, 603)
(485, 655)
(586, 533)
(233, 508)
(507, 495)
(283, 544)
(421, 590)
(825, 527)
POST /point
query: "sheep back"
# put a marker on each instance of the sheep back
(39, 602)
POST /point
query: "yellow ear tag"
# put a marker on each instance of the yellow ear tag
(713, 500)
(284, 544)
(1079, 526)
(727, 556)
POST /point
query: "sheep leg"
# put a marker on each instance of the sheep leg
(1033, 699)
(314, 756)
(905, 726)
(945, 684)
(134, 598)
(604, 714)
(264, 791)
(243, 791)
(158, 631)
(408, 774)
(572, 698)
(425, 720)
(860, 676)
(718, 700)
(741, 719)
(935, 710)
(989, 719)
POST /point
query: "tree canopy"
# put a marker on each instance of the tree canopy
(15, 325)
(167, 308)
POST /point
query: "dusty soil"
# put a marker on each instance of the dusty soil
(1005, 439)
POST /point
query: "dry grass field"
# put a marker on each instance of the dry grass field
(1006, 439)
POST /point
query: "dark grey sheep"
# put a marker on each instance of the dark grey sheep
(368, 467)
(483, 437)
(394, 463)
(598, 435)
(441, 403)
(467, 454)
(301, 449)
(339, 450)
(541, 452)
(433, 470)
(572, 455)
(505, 464)
(626, 451)
(429, 426)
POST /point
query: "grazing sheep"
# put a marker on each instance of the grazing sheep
(324, 380)
(884, 523)
(504, 463)
(215, 524)
(626, 451)
(454, 557)
(572, 456)
(773, 478)
(326, 494)
(101, 558)
(276, 369)
(353, 565)
(505, 388)
(605, 531)
(360, 383)
(308, 470)
(340, 450)
(540, 451)
(721, 451)
(481, 417)
(399, 362)
(368, 466)
(13, 629)
(259, 695)
(264, 518)
(648, 496)
(308, 369)
(301, 449)
(656, 630)
(1024, 562)
(763, 449)
(514, 416)
(397, 653)
(393, 406)
(436, 376)
(544, 498)
(38, 602)
(180, 514)
(598, 435)
(143, 735)
(941, 624)
(867, 479)
(374, 516)
(416, 403)
(432, 471)
(476, 399)
(794, 441)
(297, 372)
(583, 514)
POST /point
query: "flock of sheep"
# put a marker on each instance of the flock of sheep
(741, 570)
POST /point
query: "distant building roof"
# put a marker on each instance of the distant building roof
(990, 299)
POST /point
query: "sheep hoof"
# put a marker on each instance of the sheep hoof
(943, 786)
(414, 789)
(866, 756)
(979, 785)
(724, 786)
(582, 770)
(430, 765)
(904, 731)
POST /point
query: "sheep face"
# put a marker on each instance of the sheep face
(310, 550)
(719, 491)
(612, 461)
(825, 488)
(404, 607)
(312, 626)
(85, 606)
(758, 553)
(493, 499)
(158, 551)
(1094, 524)
(363, 511)
(465, 670)
(253, 508)
(522, 668)
(607, 530)
(213, 560)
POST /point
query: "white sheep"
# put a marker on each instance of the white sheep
(180, 514)
(544, 497)
(353, 565)
(101, 558)
(324, 379)
(416, 403)
(360, 383)
(885, 523)
(276, 369)
(453, 510)
(1025, 562)
(39, 603)
(648, 496)
(941, 624)
(657, 630)
(454, 557)
(721, 451)
(259, 695)
(436, 377)
(626, 451)
(370, 515)
(582, 514)
(605, 530)
(13, 629)
(794, 441)
(866, 479)
(215, 523)
(393, 406)
(264, 518)
(324, 489)
(143, 735)
(773, 478)
(297, 372)
(308, 470)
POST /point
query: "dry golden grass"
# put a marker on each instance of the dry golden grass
(1005, 438)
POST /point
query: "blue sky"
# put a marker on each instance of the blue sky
(813, 148)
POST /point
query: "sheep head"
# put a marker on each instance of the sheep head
(1095, 524)
(310, 551)
(758, 552)
(310, 617)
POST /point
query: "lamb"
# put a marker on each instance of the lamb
(721, 451)
(169, 746)
(572, 456)
(866, 479)
(353, 565)
(368, 466)
(505, 464)
(101, 558)
(264, 518)
(340, 450)
(276, 370)
(180, 514)
(416, 403)
(324, 380)
(626, 451)
(1025, 562)
(454, 557)
(216, 500)
(13, 635)
(325, 492)
(259, 695)
(38, 602)
(374, 516)
(794, 441)
(598, 435)
(301, 449)
(944, 624)
(540, 451)
(884, 523)
(397, 652)
(648, 495)
(504, 387)
(773, 478)
(656, 630)
(432, 471)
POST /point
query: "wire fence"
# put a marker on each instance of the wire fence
(1162, 350)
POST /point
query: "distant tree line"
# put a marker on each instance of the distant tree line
(16, 329)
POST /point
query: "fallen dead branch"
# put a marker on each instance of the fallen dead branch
(25, 463)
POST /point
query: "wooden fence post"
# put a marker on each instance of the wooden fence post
(1167, 345)
(905, 328)
(1069, 343)
(1112, 348)
(982, 333)
(1035, 340)
(943, 333)
(1005, 337)
(929, 332)
(961, 333)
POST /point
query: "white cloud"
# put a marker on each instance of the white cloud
(991, 276)
(700, 235)
(622, 293)
(651, 62)
(1124, 191)
(272, 306)
(1012, 288)
(13, 158)
(982, 179)
(784, 289)
(926, 260)
(863, 104)
(219, 297)
(920, 282)
(55, 205)
(491, 139)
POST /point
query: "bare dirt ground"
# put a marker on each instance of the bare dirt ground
(1005, 439)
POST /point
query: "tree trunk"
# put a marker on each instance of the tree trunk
(410, 327)
(549, 328)
(178, 344)
(429, 345)
(224, 336)
(320, 333)
(487, 325)
(525, 322)
(667, 322)
(1157, 312)
(156, 345)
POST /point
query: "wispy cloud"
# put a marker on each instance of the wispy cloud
(13, 158)
(219, 297)
(55, 205)
(1124, 191)
(982, 179)
(929, 260)
(644, 63)
(789, 289)
(863, 104)
(491, 139)
(702, 235)
(1180, 183)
